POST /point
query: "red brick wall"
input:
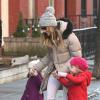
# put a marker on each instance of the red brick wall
(14, 9)
(71, 7)
(71, 11)
(78, 7)
(15, 6)
(40, 6)
(24, 8)
(89, 7)
(59, 8)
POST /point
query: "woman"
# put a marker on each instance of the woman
(61, 47)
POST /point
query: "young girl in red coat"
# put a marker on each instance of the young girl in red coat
(77, 80)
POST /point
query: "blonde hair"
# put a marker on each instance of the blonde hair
(54, 39)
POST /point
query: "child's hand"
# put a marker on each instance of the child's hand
(62, 74)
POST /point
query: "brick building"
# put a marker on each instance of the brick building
(78, 10)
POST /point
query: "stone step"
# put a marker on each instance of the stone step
(1, 51)
(12, 74)
(5, 61)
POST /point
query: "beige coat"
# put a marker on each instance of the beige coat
(60, 56)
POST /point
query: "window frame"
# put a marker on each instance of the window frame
(51, 3)
(83, 8)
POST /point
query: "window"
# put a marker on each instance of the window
(95, 7)
(51, 3)
(83, 8)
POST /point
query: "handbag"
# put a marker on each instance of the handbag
(44, 83)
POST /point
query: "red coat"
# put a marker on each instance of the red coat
(77, 85)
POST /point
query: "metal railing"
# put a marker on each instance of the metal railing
(87, 39)
(80, 21)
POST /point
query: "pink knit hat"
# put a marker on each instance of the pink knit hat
(80, 62)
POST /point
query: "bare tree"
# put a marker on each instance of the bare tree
(96, 70)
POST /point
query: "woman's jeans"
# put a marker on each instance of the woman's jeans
(52, 87)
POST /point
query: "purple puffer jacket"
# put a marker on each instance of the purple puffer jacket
(32, 89)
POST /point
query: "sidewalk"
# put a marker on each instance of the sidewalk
(12, 74)
(14, 90)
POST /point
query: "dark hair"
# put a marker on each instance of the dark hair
(69, 27)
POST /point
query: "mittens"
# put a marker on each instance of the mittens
(62, 74)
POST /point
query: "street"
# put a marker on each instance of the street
(14, 90)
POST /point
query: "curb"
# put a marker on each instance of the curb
(13, 74)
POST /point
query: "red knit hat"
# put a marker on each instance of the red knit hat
(80, 62)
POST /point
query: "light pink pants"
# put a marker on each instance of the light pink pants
(52, 87)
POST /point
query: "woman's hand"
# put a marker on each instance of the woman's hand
(55, 74)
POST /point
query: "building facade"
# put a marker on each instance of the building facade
(81, 12)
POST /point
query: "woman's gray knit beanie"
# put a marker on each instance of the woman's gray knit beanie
(48, 18)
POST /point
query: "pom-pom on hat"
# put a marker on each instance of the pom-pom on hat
(79, 62)
(48, 18)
